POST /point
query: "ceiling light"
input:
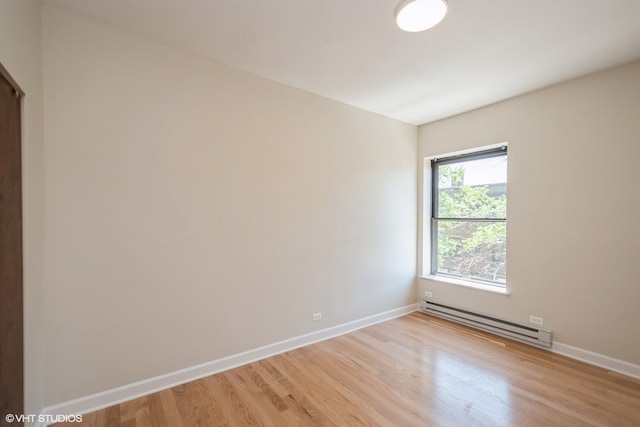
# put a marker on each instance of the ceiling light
(420, 15)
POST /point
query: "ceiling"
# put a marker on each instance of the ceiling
(351, 51)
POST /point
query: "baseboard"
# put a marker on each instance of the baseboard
(127, 392)
(597, 359)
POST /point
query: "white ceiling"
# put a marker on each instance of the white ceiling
(351, 51)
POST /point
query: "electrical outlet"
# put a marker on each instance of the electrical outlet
(316, 316)
(536, 320)
(428, 294)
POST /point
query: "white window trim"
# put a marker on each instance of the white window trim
(468, 284)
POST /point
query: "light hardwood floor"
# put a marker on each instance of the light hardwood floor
(416, 370)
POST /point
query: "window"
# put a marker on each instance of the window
(469, 217)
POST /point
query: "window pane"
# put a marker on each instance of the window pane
(473, 189)
(474, 250)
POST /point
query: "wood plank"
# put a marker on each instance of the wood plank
(190, 404)
(413, 370)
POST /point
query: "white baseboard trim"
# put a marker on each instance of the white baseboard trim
(597, 359)
(131, 391)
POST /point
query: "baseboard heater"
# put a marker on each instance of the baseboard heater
(525, 334)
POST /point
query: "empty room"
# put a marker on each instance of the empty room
(303, 212)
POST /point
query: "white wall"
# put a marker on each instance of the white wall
(196, 211)
(573, 204)
(21, 55)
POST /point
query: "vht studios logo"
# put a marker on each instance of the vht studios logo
(42, 418)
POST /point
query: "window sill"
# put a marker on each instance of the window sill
(468, 284)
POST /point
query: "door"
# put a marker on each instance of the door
(11, 332)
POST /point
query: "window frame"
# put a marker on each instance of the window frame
(435, 162)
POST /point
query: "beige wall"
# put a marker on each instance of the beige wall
(21, 54)
(573, 204)
(195, 211)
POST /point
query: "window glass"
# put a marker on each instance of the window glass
(469, 213)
